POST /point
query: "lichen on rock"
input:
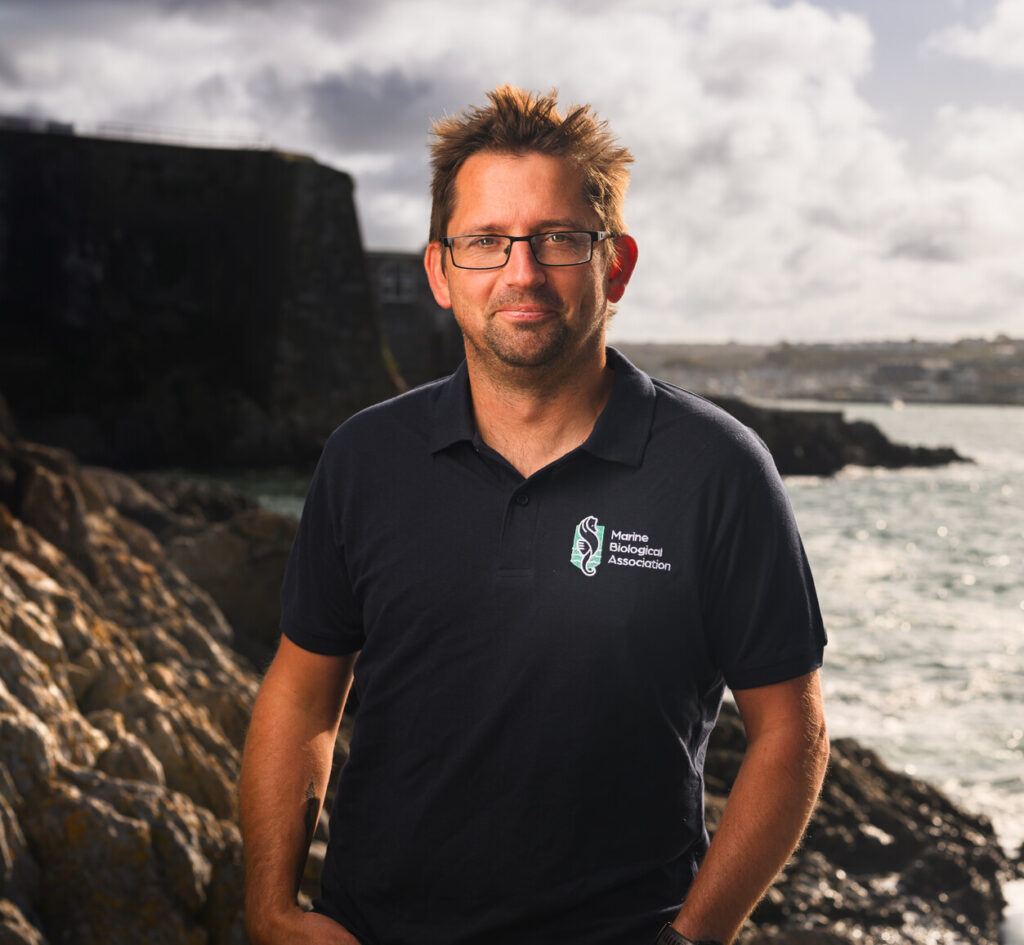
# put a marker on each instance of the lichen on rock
(122, 713)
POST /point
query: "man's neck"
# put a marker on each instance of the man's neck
(533, 417)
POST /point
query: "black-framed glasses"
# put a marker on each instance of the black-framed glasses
(492, 250)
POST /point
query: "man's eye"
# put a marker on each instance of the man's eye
(565, 238)
(482, 242)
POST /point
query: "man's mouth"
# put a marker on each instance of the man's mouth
(524, 313)
(525, 310)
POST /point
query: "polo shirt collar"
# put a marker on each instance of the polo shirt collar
(453, 411)
(624, 427)
(620, 434)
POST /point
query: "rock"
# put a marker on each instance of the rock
(122, 714)
(29, 752)
(220, 540)
(885, 858)
(130, 759)
(15, 929)
(821, 442)
(19, 872)
(202, 502)
(137, 873)
(8, 428)
(134, 502)
(240, 563)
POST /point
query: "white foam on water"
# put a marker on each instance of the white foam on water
(1013, 916)
(918, 572)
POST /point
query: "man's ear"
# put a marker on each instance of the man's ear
(622, 265)
(433, 262)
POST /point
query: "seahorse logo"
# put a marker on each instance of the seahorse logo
(586, 545)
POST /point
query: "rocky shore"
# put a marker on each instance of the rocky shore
(821, 442)
(134, 615)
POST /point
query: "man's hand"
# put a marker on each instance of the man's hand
(307, 928)
(767, 810)
(285, 768)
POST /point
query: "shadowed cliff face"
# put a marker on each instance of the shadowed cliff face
(123, 706)
(181, 306)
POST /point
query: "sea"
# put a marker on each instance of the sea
(920, 575)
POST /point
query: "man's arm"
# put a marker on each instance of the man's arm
(285, 768)
(767, 809)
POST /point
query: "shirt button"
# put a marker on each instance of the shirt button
(522, 499)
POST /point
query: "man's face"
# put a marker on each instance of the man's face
(523, 315)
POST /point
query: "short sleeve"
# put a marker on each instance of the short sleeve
(763, 618)
(319, 611)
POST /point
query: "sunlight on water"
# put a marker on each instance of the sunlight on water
(920, 578)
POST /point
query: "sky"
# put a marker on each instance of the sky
(835, 170)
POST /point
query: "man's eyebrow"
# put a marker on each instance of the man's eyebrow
(485, 228)
(563, 224)
(542, 227)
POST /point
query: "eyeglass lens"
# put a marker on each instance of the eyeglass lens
(489, 251)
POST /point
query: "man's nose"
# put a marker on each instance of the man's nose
(522, 267)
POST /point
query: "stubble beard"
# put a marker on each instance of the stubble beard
(524, 346)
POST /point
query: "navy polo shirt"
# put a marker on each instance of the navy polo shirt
(542, 659)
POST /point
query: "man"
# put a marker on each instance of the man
(550, 566)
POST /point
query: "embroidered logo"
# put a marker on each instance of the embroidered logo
(586, 545)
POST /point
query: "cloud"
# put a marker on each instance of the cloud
(768, 197)
(997, 41)
(8, 70)
(980, 141)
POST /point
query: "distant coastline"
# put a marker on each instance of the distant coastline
(969, 371)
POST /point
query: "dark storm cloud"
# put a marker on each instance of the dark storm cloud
(98, 8)
(276, 97)
(9, 74)
(386, 111)
(713, 150)
(409, 172)
(332, 14)
(24, 24)
(31, 18)
(926, 248)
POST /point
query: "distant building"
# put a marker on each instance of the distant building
(423, 338)
(899, 372)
